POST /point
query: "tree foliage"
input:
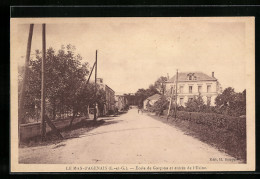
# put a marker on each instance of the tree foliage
(196, 104)
(231, 103)
(66, 89)
(142, 94)
(160, 105)
(160, 85)
(157, 88)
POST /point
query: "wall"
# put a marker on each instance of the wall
(34, 129)
(121, 102)
(110, 99)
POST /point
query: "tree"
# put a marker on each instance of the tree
(231, 103)
(196, 104)
(226, 97)
(160, 85)
(142, 94)
(156, 88)
(66, 88)
(160, 105)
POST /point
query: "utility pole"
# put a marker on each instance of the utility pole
(176, 94)
(95, 107)
(21, 116)
(91, 73)
(43, 124)
(169, 109)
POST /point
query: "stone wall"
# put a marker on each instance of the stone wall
(30, 130)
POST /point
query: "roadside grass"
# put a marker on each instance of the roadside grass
(224, 140)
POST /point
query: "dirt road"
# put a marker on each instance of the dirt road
(131, 138)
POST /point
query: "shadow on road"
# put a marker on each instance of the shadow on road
(75, 131)
(123, 130)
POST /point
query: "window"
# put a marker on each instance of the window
(208, 101)
(181, 89)
(181, 101)
(190, 99)
(199, 89)
(190, 89)
(208, 88)
(190, 77)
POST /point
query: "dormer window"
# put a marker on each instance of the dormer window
(191, 76)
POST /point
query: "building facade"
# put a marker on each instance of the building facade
(192, 84)
(121, 102)
(110, 96)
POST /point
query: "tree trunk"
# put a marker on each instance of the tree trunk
(52, 126)
(54, 110)
(73, 117)
(62, 106)
(87, 116)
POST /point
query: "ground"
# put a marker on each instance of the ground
(131, 138)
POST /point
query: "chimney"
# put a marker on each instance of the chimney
(167, 76)
(100, 80)
(213, 74)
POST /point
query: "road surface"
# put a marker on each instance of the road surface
(131, 138)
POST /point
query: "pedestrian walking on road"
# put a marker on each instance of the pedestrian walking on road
(140, 109)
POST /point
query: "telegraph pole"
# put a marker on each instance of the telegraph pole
(169, 109)
(95, 107)
(176, 94)
(21, 117)
(43, 124)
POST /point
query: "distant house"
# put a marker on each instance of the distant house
(121, 101)
(151, 100)
(191, 84)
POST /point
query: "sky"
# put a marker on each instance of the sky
(134, 52)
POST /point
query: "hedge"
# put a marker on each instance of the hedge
(213, 120)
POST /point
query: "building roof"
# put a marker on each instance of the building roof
(183, 76)
(154, 97)
(110, 89)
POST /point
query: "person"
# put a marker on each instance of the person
(116, 111)
(140, 109)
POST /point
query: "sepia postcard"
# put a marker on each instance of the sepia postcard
(154, 94)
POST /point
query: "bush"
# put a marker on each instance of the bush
(160, 105)
(110, 112)
(213, 120)
(195, 105)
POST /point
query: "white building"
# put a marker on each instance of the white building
(151, 100)
(191, 84)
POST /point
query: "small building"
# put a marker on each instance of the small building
(191, 84)
(151, 100)
(121, 101)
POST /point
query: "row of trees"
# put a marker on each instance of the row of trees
(67, 93)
